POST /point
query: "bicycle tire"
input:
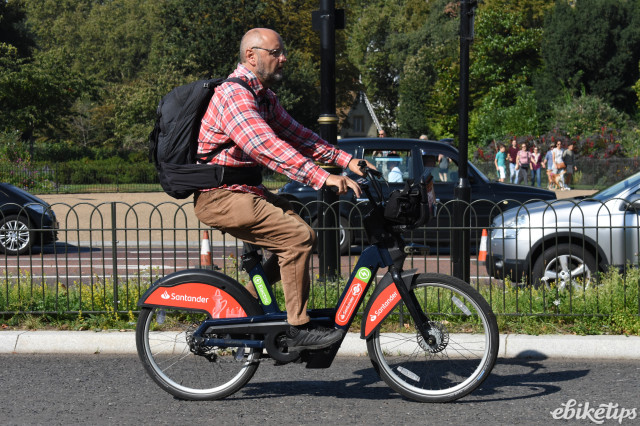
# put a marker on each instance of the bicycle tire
(461, 355)
(162, 340)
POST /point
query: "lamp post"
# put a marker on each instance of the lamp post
(461, 243)
(325, 21)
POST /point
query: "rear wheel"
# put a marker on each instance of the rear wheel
(458, 355)
(186, 368)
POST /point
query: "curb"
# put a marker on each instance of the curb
(512, 346)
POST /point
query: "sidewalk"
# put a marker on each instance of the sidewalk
(511, 345)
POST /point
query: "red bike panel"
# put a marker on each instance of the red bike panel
(350, 301)
(384, 303)
(197, 296)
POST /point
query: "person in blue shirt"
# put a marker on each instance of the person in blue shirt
(501, 163)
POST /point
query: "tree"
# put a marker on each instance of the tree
(406, 52)
(505, 55)
(37, 94)
(13, 31)
(595, 45)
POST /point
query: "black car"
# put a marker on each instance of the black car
(403, 159)
(25, 220)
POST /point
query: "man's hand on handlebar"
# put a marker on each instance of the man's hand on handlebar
(344, 183)
(355, 167)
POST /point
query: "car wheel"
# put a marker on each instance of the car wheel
(564, 265)
(345, 234)
(15, 235)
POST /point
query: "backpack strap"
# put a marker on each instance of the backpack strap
(205, 158)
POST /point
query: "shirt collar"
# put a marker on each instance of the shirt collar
(248, 75)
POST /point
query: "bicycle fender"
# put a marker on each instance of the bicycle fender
(199, 290)
(382, 302)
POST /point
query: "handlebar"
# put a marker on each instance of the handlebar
(424, 189)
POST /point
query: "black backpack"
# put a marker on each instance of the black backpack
(173, 143)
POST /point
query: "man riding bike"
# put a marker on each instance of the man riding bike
(264, 134)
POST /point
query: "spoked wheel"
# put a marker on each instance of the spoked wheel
(458, 354)
(182, 366)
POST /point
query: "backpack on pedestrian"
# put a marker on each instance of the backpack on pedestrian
(173, 143)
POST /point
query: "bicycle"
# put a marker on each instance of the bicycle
(201, 335)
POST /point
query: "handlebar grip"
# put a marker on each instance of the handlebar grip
(366, 170)
(424, 201)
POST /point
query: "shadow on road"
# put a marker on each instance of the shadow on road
(513, 379)
(61, 247)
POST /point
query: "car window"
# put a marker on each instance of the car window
(615, 190)
(444, 169)
(395, 165)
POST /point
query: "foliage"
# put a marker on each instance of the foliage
(92, 72)
(34, 94)
(16, 166)
(595, 45)
(495, 121)
(585, 115)
(12, 29)
(504, 101)
(614, 296)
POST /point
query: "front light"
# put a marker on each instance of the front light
(510, 227)
(39, 208)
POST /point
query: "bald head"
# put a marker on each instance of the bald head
(257, 37)
(262, 52)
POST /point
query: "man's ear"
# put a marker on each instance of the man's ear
(251, 58)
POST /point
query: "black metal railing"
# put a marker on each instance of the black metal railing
(544, 261)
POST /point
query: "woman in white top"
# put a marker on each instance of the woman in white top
(557, 157)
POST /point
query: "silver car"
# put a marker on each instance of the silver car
(566, 242)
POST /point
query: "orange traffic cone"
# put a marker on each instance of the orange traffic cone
(205, 251)
(482, 253)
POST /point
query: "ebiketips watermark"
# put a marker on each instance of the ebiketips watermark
(597, 414)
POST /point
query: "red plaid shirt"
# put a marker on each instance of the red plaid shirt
(263, 133)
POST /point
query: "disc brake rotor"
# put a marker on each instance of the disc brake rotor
(438, 338)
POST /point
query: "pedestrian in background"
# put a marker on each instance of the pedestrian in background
(536, 166)
(522, 164)
(558, 162)
(501, 162)
(512, 154)
(569, 159)
(548, 164)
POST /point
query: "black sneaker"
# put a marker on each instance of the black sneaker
(303, 337)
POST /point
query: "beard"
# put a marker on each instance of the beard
(268, 78)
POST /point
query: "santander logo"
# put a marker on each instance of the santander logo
(385, 302)
(199, 296)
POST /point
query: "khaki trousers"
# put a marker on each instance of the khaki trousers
(272, 224)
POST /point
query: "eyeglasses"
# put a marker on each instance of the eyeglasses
(276, 53)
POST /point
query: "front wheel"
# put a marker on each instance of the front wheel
(459, 353)
(15, 235)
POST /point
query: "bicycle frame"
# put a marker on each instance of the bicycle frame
(385, 251)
